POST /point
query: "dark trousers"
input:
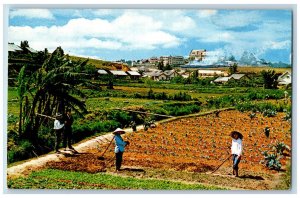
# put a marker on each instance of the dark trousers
(235, 162)
(58, 134)
(119, 159)
(67, 137)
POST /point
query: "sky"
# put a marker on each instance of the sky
(132, 34)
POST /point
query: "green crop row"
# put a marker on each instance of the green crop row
(57, 179)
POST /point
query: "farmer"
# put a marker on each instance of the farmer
(59, 128)
(120, 147)
(68, 130)
(133, 125)
(236, 150)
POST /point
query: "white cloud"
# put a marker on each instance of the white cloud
(157, 29)
(31, 13)
(183, 23)
(206, 13)
(130, 31)
(236, 19)
(278, 45)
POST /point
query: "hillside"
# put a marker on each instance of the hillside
(101, 64)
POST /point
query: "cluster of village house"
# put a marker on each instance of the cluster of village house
(171, 60)
(14, 49)
(159, 75)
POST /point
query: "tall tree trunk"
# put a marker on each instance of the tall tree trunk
(20, 117)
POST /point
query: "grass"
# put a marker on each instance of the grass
(13, 104)
(58, 179)
(103, 104)
(99, 64)
(286, 179)
(144, 91)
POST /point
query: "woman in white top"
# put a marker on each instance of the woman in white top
(58, 127)
(236, 150)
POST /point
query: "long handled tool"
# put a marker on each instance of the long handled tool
(221, 164)
(45, 116)
(101, 157)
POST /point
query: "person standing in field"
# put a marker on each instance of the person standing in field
(68, 131)
(236, 151)
(120, 147)
(59, 128)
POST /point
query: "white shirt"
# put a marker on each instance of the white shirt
(57, 125)
(236, 147)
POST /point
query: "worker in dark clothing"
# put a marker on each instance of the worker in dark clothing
(68, 131)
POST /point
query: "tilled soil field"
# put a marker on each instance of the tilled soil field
(196, 146)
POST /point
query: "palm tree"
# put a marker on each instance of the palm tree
(21, 91)
(53, 88)
(270, 79)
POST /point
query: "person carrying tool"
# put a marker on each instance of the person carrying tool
(59, 128)
(236, 150)
(68, 131)
(120, 147)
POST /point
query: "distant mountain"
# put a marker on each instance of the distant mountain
(248, 58)
(279, 64)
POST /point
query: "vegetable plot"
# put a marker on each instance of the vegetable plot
(200, 144)
(197, 144)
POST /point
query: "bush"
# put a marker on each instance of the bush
(138, 95)
(272, 161)
(178, 109)
(280, 147)
(268, 109)
(81, 132)
(11, 119)
(119, 116)
(23, 150)
(182, 96)
(269, 113)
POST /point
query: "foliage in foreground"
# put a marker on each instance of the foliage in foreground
(272, 160)
(57, 179)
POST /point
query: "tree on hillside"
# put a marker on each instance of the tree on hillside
(233, 68)
(270, 79)
(193, 78)
(160, 65)
(168, 67)
(52, 88)
(24, 44)
(21, 91)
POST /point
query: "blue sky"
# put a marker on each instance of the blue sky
(113, 34)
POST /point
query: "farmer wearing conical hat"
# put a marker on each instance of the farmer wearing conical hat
(236, 150)
(120, 147)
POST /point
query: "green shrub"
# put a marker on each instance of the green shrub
(280, 147)
(22, 150)
(268, 109)
(122, 117)
(182, 96)
(178, 109)
(81, 132)
(269, 113)
(11, 119)
(272, 161)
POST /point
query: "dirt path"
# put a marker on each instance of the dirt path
(39, 163)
